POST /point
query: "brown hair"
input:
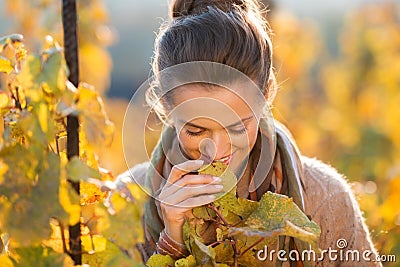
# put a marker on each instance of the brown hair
(232, 33)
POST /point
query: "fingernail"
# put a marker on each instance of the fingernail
(211, 196)
(217, 179)
(218, 186)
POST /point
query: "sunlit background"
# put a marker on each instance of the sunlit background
(337, 64)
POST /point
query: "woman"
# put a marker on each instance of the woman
(213, 80)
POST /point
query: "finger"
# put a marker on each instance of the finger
(184, 168)
(197, 179)
(196, 201)
(191, 191)
(190, 180)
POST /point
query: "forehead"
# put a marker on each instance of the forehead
(223, 105)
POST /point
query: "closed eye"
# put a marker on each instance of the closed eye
(238, 131)
(195, 132)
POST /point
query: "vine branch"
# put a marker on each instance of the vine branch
(69, 19)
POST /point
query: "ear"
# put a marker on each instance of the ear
(271, 89)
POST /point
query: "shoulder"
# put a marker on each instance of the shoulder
(323, 177)
(330, 202)
(325, 187)
(136, 174)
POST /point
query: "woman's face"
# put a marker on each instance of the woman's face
(214, 123)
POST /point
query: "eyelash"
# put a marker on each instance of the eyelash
(238, 132)
(195, 134)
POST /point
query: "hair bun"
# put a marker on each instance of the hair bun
(182, 8)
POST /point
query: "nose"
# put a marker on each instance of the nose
(216, 146)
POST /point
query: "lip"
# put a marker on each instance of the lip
(226, 160)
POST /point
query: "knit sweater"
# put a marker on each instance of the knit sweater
(329, 201)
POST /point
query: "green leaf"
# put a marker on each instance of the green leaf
(39, 201)
(245, 207)
(38, 124)
(189, 261)
(6, 65)
(53, 76)
(220, 234)
(203, 212)
(22, 164)
(158, 260)
(78, 170)
(121, 260)
(107, 255)
(204, 255)
(28, 75)
(39, 256)
(224, 253)
(248, 259)
(98, 129)
(125, 221)
(279, 215)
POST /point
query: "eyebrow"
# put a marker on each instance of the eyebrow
(229, 126)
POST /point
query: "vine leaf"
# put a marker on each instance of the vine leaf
(54, 72)
(69, 199)
(21, 206)
(107, 253)
(78, 170)
(125, 220)
(204, 255)
(189, 261)
(224, 252)
(227, 176)
(21, 164)
(158, 260)
(96, 125)
(121, 260)
(40, 256)
(6, 65)
(245, 207)
(37, 125)
(279, 215)
(5, 261)
(4, 102)
(227, 195)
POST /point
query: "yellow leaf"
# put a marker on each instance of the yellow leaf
(3, 170)
(94, 243)
(158, 260)
(4, 100)
(5, 65)
(5, 261)
(69, 200)
(43, 117)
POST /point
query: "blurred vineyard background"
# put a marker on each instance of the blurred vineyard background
(339, 83)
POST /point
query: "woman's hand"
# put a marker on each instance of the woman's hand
(184, 191)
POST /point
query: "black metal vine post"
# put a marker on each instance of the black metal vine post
(69, 19)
